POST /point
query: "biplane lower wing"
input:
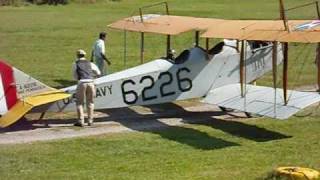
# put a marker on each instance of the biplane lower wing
(265, 101)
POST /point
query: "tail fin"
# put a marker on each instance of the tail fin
(18, 92)
(27, 85)
(15, 85)
(8, 92)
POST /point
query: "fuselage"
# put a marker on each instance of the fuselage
(191, 75)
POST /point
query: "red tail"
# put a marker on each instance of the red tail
(8, 90)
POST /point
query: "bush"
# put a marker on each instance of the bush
(6, 2)
(13, 2)
(38, 2)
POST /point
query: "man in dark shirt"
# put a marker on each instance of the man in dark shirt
(84, 72)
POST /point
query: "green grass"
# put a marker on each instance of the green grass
(214, 150)
(42, 40)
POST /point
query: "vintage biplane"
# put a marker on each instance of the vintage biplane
(220, 75)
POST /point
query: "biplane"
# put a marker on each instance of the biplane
(219, 75)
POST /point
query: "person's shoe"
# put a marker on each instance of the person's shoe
(78, 124)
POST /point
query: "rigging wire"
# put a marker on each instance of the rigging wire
(304, 52)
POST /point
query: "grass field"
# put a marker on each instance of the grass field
(42, 40)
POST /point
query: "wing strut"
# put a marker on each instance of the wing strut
(285, 72)
(318, 50)
(285, 54)
(318, 64)
(283, 16)
(142, 39)
(207, 44)
(197, 35)
(142, 49)
(168, 44)
(274, 73)
(318, 11)
(242, 67)
(125, 48)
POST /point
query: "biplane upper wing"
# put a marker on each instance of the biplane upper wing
(300, 31)
(162, 24)
(303, 31)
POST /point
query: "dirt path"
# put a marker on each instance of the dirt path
(112, 121)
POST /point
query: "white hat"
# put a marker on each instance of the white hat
(81, 52)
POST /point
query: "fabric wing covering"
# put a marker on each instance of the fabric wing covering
(301, 31)
(264, 101)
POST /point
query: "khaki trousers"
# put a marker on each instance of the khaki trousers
(85, 91)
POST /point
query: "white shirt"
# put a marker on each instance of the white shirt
(94, 68)
(99, 48)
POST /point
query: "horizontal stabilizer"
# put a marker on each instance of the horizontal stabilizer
(23, 106)
(265, 101)
(46, 97)
(15, 113)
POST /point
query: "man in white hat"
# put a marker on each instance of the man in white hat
(84, 72)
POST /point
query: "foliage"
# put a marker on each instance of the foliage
(49, 2)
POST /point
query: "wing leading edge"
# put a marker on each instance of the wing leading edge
(261, 100)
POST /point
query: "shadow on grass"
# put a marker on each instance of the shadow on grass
(235, 128)
(189, 136)
(24, 125)
(243, 130)
(148, 123)
(20, 125)
(184, 135)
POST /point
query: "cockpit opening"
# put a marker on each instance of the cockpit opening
(183, 57)
(216, 49)
(258, 44)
